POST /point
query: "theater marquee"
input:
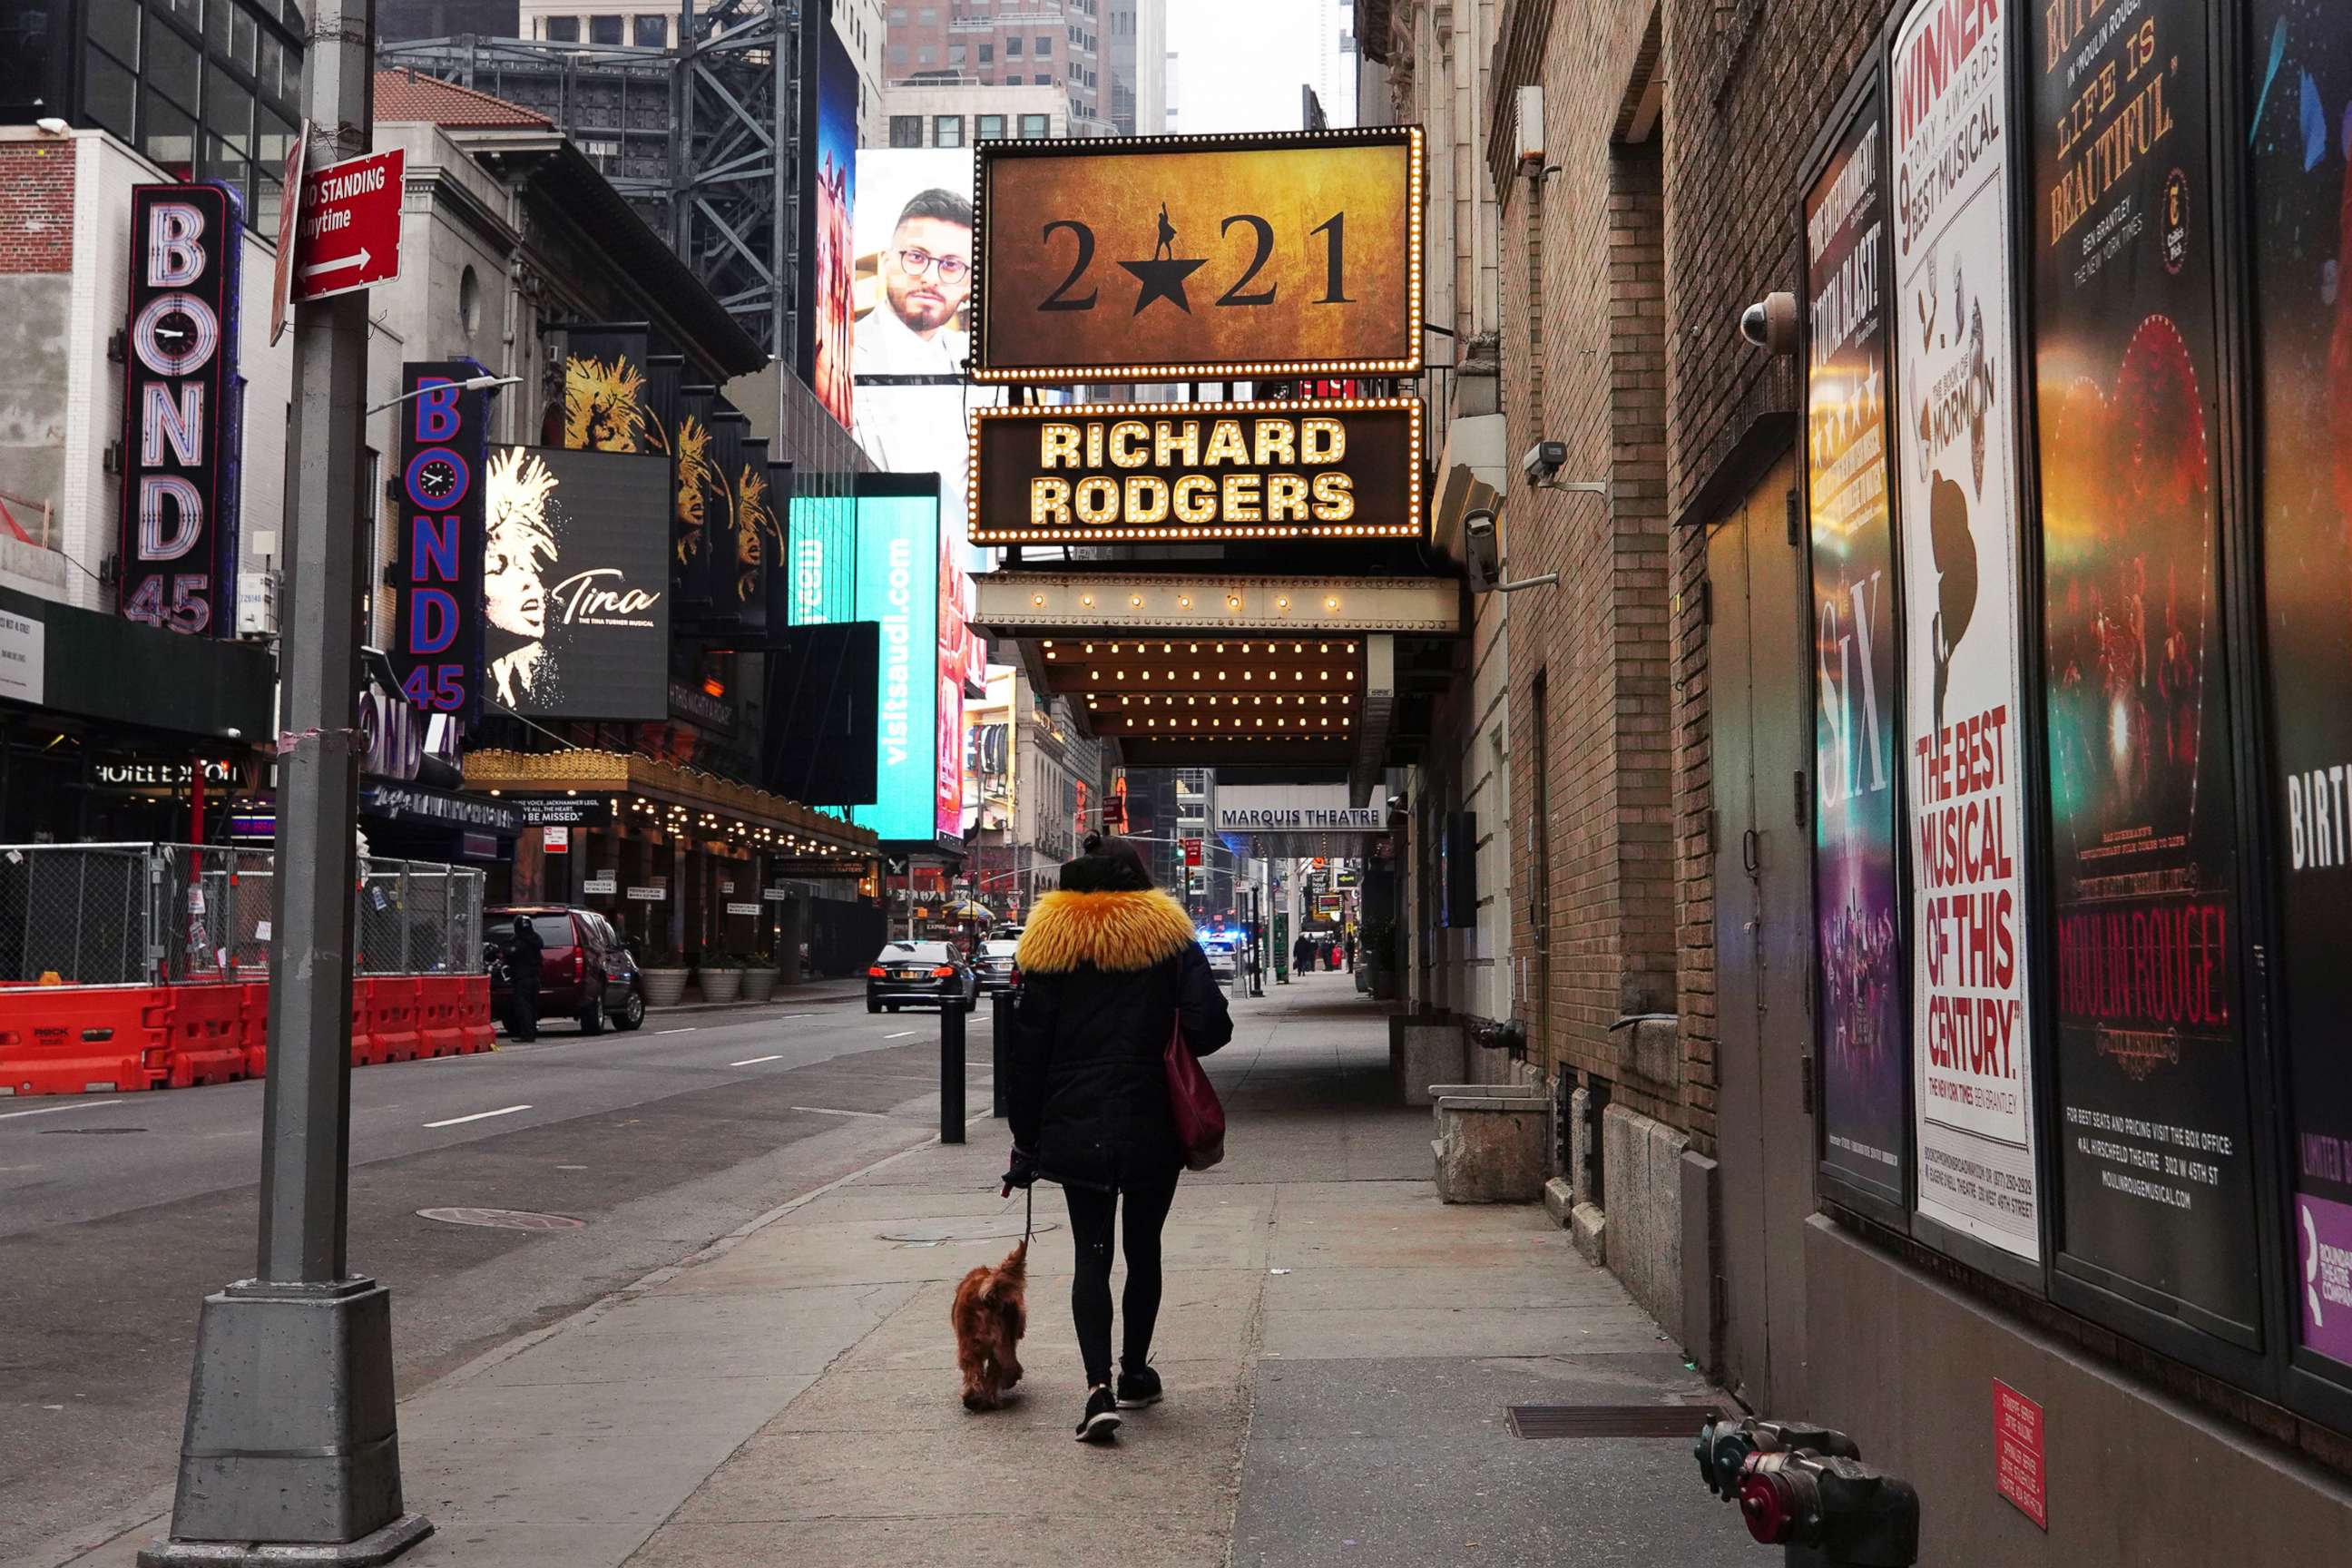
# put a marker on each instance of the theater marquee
(1197, 471)
(1172, 257)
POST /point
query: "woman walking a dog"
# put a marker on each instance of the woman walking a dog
(1108, 967)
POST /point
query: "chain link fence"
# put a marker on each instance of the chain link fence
(139, 914)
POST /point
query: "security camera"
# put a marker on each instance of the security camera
(1482, 551)
(1543, 461)
(1771, 323)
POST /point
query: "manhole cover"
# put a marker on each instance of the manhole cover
(88, 1131)
(937, 1232)
(1610, 1420)
(503, 1219)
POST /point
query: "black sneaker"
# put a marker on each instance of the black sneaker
(1138, 1387)
(1100, 1423)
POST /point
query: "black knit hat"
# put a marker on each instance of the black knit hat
(1109, 865)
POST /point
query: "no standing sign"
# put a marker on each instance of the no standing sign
(348, 233)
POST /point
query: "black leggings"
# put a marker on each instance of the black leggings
(1091, 1212)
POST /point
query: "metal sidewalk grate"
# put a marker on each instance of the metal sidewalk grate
(1610, 1420)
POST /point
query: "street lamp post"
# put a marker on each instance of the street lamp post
(291, 1451)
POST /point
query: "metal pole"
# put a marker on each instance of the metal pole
(291, 1440)
(951, 1071)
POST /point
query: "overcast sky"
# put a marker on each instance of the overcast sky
(1240, 63)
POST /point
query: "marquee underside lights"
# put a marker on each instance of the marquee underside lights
(1194, 473)
(1198, 257)
(1044, 604)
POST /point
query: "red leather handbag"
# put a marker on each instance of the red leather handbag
(1200, 1116)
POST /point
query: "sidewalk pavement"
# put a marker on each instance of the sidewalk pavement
(1339, 1349)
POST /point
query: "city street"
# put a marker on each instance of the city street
(118, 1214)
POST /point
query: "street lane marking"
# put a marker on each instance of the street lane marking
(755, 1061)
(69, 1105)
(688, 1030)
(821, 1111)
(479, 1116)
(903, 1034)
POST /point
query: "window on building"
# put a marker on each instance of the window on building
(649, 32)
(925, 55)
(113, 25)
(906, 131)
(1012, 48)
(987, 54)
(958, 55)
(604, 29)
(1045, 47)
(110, 93)
(167, 135)
(562, 30)
(988, 127)
(946, 130)
(1037, 127)
(928, 16)
(897, 54)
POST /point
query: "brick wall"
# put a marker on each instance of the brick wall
(1583, 330)
(36, 196)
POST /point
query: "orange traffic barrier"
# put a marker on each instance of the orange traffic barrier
(474, 1015)
(84, 1039)
(392, 1016)
(208, 1034)
(256, 1027)
(440, 1031)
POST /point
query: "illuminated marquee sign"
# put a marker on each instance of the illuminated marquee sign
(1193, 257)
(436, 638)
(179, 417)
(1197, 471)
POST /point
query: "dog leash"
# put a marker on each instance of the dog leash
(1029, 1220)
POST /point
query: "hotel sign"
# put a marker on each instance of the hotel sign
(1201, 257)
(180, 409)
(1197, 471)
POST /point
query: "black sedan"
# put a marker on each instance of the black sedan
(920, 975)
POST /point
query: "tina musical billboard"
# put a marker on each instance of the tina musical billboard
(575, 584)
(1292, 253)
(2151, 1081)
(1197, 471)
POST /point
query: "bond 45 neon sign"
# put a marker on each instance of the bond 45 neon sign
(180, 436)
(436, 641)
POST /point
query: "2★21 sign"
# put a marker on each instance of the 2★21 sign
(1293, 253)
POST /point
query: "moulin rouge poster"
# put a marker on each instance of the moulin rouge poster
(1957, 508)
(2151, 1072)
(1856, 909)
(2300, 85)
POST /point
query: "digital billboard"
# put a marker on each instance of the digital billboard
(436, 632)
(180, 398)
(1081, 474)
(575, 583)
(876, 558)
(829, 139)
(1292, 253)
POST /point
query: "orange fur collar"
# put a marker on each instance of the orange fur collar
(1122, 932)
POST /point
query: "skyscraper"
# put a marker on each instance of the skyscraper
(1047, 43)
(1136, 55)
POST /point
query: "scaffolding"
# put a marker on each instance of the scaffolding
(702, 138)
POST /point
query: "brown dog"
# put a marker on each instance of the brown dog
(989, 1314)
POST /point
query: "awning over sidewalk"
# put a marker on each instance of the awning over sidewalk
(661, 795)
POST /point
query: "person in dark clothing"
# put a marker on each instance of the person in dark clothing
(1109, 967)
(1302, 954)
(524, 961)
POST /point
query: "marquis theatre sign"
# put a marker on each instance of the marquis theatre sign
(1197, 471)
(180, 408)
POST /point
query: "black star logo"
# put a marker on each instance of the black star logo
(1163, 281)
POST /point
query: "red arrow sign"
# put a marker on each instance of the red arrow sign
(350, 233)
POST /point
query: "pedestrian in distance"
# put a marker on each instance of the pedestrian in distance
(522, 1022)
(1352, 952)
(1109, 968)
(1302, 954)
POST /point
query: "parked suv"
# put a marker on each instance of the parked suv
(586, 972)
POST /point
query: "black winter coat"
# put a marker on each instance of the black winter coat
(1105, 976)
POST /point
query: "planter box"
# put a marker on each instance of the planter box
(759, 984)
(720, 984)
(663, 987)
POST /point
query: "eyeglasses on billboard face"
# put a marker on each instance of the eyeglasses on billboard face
(916, 261)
